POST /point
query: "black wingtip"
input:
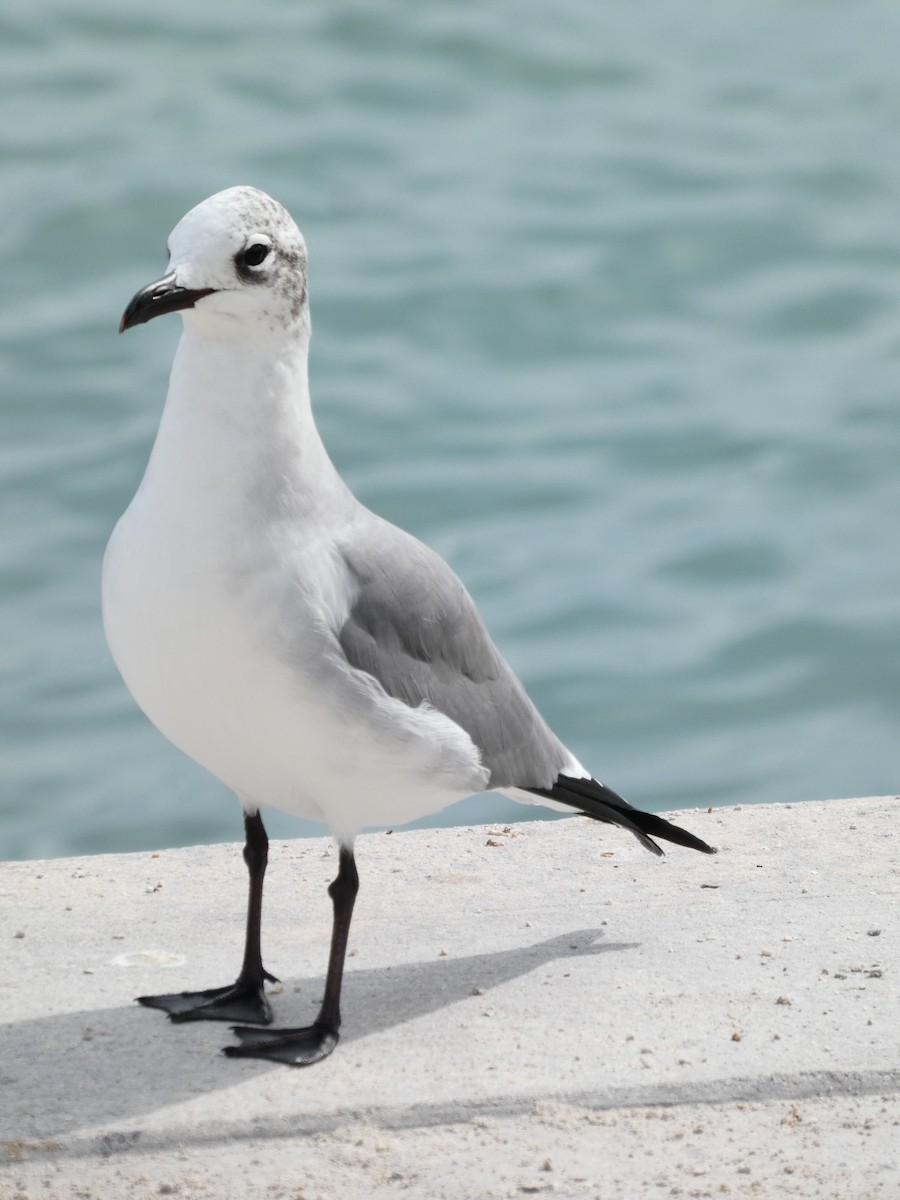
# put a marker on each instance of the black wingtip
(601, 803)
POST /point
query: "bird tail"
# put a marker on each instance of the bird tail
(601, 803)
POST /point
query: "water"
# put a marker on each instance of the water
(606, 303)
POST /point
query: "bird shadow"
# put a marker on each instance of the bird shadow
(65, 1073)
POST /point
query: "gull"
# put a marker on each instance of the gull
(311, 655)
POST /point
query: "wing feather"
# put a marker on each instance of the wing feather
(414, 628)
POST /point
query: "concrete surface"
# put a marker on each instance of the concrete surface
(542, 1009)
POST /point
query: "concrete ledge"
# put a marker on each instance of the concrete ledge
(539, 1009)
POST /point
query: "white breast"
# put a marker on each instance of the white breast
(224, 632)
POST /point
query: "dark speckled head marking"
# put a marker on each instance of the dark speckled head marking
(245, 247)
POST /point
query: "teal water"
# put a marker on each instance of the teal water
(606, 302)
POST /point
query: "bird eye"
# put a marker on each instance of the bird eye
(255, 255)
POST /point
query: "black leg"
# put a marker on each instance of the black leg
(303, 1047)
(243, 1000)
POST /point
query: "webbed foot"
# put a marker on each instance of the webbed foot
(237, 1002)
(296, 1047)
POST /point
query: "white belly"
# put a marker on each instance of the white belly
(237, 664)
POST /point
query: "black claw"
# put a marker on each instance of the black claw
(238, 1002)
(295, 1047)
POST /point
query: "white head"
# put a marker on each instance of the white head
(237, 263)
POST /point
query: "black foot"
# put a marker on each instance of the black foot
(238, 1002)
(296, 1047)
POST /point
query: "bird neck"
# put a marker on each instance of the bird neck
(238, 417)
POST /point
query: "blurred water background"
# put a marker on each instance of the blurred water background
(606, 301)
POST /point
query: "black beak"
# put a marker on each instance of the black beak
(163, 296)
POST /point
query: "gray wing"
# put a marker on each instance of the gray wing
(414, 627)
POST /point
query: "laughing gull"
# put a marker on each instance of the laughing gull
(311, 655)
